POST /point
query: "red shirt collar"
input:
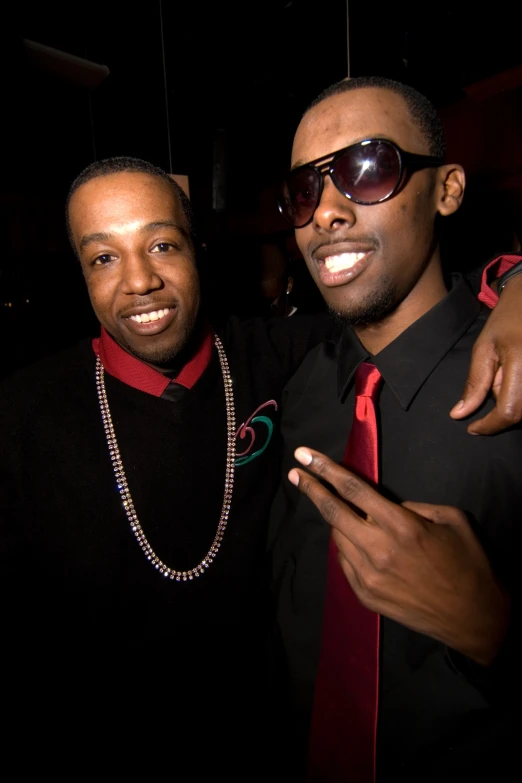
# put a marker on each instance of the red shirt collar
(128, 369)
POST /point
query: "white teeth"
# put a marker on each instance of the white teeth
(342, 262)
(145, 318)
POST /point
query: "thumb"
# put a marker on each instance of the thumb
(484, 365)
(440, 515)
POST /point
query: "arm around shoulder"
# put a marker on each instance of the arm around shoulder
(496, 362)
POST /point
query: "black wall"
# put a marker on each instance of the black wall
(187, 79)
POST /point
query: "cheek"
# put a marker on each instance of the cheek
(413, 222)
(188, 283)
(304, 239)
(101, 296)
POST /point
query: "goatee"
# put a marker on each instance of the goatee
(370, 310)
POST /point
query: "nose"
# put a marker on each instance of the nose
(334, 209)
(139, 275)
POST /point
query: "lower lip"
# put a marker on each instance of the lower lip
(151, 327)
(343, 276)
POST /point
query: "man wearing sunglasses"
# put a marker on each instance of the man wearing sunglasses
(394, 537)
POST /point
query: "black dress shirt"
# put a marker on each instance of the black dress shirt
(440, 715)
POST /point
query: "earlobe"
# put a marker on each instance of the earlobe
(452, 186)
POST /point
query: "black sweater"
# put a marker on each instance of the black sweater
(109, 662)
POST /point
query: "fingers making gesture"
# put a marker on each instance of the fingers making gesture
(418, 564)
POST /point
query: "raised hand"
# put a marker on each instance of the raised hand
(416, 563)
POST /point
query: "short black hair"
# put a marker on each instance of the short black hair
(117, 165)
(422, 111)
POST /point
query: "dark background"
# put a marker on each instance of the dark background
(215, 92)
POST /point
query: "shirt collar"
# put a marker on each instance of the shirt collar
(407, 362)
(130, 370)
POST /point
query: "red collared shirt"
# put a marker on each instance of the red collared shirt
(130, 370)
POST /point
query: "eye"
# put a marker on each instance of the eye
(164, 247)
(105, 258)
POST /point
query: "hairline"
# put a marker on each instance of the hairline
(132, 166)
(421, 111)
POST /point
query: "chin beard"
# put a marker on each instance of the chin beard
(173, 358)
(371, 310)
(163, 359)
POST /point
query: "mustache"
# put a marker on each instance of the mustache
(149, 301)
(369, 243)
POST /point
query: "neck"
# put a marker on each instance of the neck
(428, 291)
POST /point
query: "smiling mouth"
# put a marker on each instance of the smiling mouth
(154, 315)
(338, 269)
(342, 262)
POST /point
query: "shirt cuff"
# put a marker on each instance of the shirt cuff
(496, 267)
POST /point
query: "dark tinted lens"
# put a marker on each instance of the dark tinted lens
(369, 172)
(299, 195)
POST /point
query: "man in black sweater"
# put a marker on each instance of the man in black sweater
(137, 473)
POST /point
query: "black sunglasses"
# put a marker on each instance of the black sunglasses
(368, 172)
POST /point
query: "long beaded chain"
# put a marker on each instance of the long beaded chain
(123, 487)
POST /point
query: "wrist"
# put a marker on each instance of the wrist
(483, 636)
(509, 278)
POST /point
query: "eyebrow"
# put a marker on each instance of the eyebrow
(102, 236)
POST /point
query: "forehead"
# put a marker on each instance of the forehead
(353, 116)
(124, 198)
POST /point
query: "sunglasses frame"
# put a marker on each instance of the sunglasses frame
(409, 162)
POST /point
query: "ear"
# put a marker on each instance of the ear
(452, 183)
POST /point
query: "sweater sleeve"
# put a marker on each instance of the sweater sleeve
(493, 270)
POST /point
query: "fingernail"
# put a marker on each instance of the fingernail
(303, 456)
(456, 408)
(293, 477)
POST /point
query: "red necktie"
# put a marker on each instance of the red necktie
(344, 716)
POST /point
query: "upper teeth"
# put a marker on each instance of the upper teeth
(342, 261)
(155, 315)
